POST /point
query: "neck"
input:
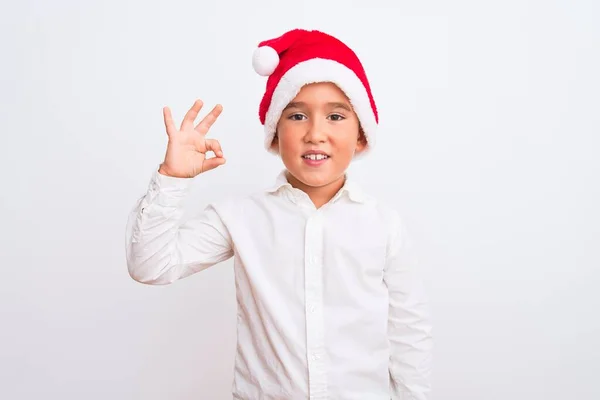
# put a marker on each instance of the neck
(319, 195)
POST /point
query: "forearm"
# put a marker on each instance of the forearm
(161, 247)
(411, 350)
(409, 321)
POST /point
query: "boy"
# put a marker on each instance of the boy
(329, 305)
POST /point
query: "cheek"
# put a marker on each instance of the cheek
(285, 144)
(287, 149)
(346, 146)
(289, 140)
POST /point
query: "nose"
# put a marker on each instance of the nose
(316, 133)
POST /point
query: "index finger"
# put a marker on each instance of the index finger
(169, 125)
(209, 119)
(190, 116)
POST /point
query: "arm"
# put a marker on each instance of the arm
(409, 326)
(162, 248)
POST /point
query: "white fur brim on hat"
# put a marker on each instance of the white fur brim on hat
(320, 70)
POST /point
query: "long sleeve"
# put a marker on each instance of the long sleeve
(409, 325)
(160, 246)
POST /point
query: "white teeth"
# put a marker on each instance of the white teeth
(316, 156)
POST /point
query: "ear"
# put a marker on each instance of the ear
(275, 143)
(361, 142)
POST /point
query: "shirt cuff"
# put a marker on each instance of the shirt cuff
(168, 190)
(171, 182)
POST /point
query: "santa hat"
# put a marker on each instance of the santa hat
(300, 57)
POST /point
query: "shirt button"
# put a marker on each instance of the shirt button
(312, 308)
(315, 356)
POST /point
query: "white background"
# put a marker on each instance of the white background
(488, 145)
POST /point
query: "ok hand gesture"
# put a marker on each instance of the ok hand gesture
(186, 154)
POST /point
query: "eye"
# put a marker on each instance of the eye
(296, 117)
(336, 117)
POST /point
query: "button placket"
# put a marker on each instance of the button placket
(314, 311)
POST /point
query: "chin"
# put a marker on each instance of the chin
(314, 178)
(314, 181)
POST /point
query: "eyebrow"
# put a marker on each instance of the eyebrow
(332, 104)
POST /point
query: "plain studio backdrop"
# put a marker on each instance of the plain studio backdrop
(488, 145)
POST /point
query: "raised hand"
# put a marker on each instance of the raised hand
(187, 149)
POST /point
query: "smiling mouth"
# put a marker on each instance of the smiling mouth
(315, 157)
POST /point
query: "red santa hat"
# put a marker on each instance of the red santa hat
(300, 57)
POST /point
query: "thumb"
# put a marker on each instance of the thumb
(212, 163)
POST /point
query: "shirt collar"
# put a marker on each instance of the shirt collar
(350, 188)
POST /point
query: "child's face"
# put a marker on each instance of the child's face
(319, 119)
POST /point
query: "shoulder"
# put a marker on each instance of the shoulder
(241, 205)
(231, 203)
(389, 215)
(383, 208)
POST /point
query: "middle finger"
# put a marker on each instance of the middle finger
(190, 116)
(209, 120)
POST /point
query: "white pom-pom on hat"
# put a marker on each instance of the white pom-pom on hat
(264, 60)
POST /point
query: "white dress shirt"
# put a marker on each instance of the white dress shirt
(329, 305)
